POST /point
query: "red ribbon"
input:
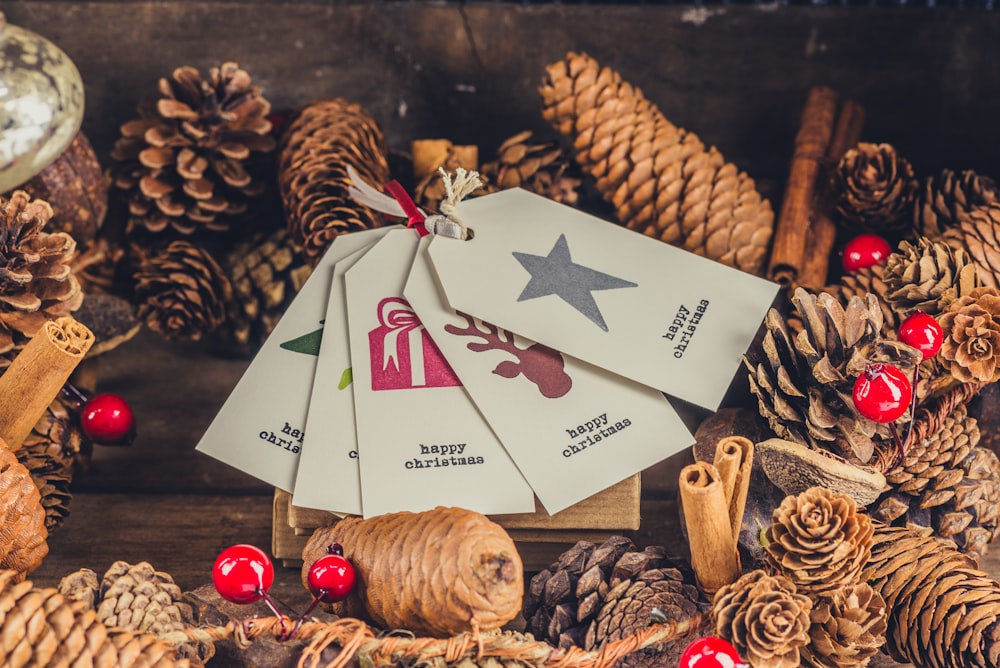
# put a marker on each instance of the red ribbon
(415, 219)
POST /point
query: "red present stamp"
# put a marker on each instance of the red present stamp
(402, 355)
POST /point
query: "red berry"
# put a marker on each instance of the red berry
(331, 578)
(107, 418)
(710, 653)
(242, 573)
(865, 250)
(882, 392)
(922, 332)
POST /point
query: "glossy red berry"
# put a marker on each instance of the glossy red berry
(710, 653)
(865, 250)
(242, 573)
(882, 392)
(107, 418)
(921, 331)
(331, 577)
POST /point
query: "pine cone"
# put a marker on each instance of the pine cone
(182, 292)
(320, 142)
(54, 450)
(187, 166)
(96, 265)
(942, 611)
(37, 284)
(926, 277)
(441, 154)
(44, 628)
(819, 541)
(661, 179)
(870, 280)
(971, 348)
(946, 483)
(266, 273)
(944, 198)
(803, 383)
(976, 233)
(540, 167)
(847, 628)
(873, 187)
(23, 538)
(764, 618)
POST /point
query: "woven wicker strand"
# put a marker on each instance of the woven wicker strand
(358, 640)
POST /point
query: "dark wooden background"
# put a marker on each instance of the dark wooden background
(737, 76)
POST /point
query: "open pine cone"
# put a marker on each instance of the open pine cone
(926, 276)
(764, 618)
(944, 198)
(819, 541)
(36, 284)
(847, 628)
(975, 232)
(185, 165)
(971, 325)
(873, 187)
(539, 166)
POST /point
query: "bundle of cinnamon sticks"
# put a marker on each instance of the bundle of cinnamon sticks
(805, 233)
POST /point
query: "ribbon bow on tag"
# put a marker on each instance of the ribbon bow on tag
(445, 224)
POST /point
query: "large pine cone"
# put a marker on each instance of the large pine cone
(847, 628)
(186, 165)
(661, 179)
(943, 199)
(869, 280)
(568, 602)
(946, 483)
(873, 188)
(764, 618)
(975, 232)
(942, 611)
(182, 292)
(44, 628)
(971, 326)
(320, 142)
(539, 166)
(803, 382)
(926, 276)
(53, 452)
(266, 273)
(23, 537)
(36, 284)
(819, 541)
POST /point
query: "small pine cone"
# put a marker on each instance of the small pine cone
(44, 628)
(971, 325)
(764, 618)
(182, 292)
(23, 537)
(976, 233)
(847, 628)
(655, 595)
(187, 165)
(927, 276)
(819, 541)
(870, 280)
(661, 179)
(873, 187)
(36, 283)
(82, 585)
(320, 142)
(943, 199)
(803, 381)
(941, 610)
(540, 167)
(266, 273)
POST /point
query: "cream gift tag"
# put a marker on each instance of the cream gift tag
(421, 441)
(328, 477)
(602, 293)
(573, 429)
(260, 428)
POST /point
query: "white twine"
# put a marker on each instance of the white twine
(456, 188)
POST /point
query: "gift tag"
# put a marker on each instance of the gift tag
(573, 429)
(328, 477)
(261, 427)
(421, 441)
(602, 293)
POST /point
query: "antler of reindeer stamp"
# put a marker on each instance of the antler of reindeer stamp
(540, 364)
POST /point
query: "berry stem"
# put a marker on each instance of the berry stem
(312, 606)
(898, 442)
(73, 393)
(274, 609)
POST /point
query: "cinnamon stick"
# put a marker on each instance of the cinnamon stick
(37, 374)
(811, 142)
(733, 460)
(714, 557)
(823, 231)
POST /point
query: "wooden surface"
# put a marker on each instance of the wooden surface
(737, 76)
